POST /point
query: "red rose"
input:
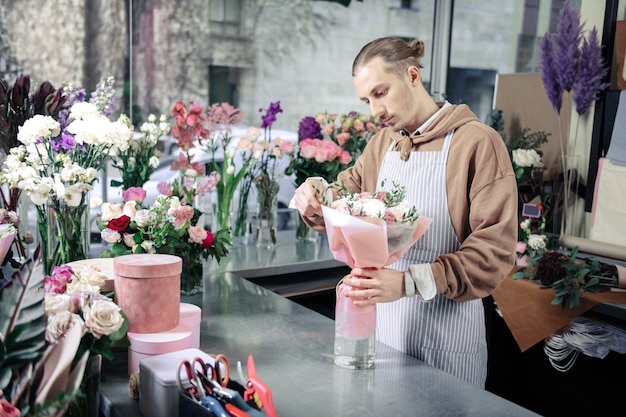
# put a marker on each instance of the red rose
(208, 241)
(119, 224)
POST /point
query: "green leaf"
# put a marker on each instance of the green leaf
(22, 322)
(519, 274)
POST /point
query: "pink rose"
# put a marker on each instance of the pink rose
(345, 157)
(58, 280)
(329, 128)
(8, 410)
(343, 138)
(520, 247)
(137, 194)
(164, 188)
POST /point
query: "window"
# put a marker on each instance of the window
(223, 85)
(225, 16)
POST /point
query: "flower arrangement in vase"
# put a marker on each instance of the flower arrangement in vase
(57, 164)
(571, 63)
(139, 160)
(266, 176)
(327, 144)
(167, 227)
(222, 117)
(17, 105)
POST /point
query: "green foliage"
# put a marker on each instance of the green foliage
(22, 327)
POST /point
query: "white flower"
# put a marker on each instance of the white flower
(230, 170)
(527, 158)
(38, 127)
(56, 303)
(83, 109)
(154, 162)
(60, 323)
(102, 317)
(110, 236)
(148, 246)
(110, 211)
(525, 225)
(537, 242)
(142, 217)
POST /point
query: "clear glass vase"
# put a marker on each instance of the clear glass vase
(64, 231)
(267, 216)
(304, 233)
(192, 274)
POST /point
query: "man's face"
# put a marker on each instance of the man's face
(389, 96)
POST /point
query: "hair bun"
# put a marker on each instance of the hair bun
(418, 47)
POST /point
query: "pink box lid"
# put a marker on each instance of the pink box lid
(147, 265)
(163, 342)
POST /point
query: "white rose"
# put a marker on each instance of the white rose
(110, 235)
(103, 317)
(77, 287)
(57, 303)
(142, 217)
(527, 158)
(111, 211)
(373, 208)
(60, 323)
(148, 246)
(153, 162)
(537, 242)
(130, 209)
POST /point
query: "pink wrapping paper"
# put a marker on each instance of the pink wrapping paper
(364, 242)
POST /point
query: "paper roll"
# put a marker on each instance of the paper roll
(608, 250)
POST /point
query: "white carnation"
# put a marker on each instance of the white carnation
(527, 158)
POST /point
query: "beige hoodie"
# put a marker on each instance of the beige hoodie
(482, 198)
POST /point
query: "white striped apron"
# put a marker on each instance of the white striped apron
(443, 333)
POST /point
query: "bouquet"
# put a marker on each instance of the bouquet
(266, 176)
(569, 276)
(370, 231)
(139, 160)
(58, 163)
(328, 144)
(167, 227)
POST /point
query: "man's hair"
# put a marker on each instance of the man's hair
(396, 54)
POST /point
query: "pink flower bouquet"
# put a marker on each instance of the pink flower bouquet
(369, 231)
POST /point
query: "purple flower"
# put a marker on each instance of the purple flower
(309, 129)
(270, 117)
(566, 40)
(591, 73)
(549, 77)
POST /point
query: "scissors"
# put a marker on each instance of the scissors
(257, 390)
(195, 388)
(216, 370)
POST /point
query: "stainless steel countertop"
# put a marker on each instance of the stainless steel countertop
(292, 347)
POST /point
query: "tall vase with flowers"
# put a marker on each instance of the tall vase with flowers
(571, 63)
(267, 176)
(17, 105)
(57, 165)
(137, 163)
(327, 144)
(167, 227)
(236, 160)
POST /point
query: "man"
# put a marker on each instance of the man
(457, 171)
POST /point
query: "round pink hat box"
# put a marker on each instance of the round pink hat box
(191, 315)
(147, 288)
(145, 345)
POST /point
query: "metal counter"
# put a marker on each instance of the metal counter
(292, 348)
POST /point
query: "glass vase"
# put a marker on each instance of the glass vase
(267, 217)
(88, 403)
(304, 233)
(64, 231)
(355, 332)
(192, 274)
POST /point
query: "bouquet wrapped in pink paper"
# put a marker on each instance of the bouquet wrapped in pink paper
(369, 231)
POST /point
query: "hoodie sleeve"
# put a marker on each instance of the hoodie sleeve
(482, 199)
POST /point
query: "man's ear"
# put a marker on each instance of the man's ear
(415, 76)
